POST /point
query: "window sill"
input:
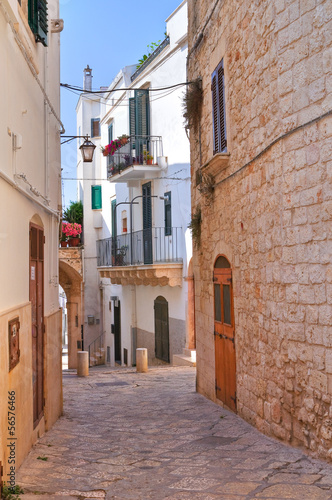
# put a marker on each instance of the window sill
(216, 164)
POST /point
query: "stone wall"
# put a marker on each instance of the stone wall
(270, 215)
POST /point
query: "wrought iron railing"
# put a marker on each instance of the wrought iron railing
(154, 54)
(97, 351)
(147, 246)
(139, 150)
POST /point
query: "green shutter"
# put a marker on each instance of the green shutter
(113, 210)
(132, 129)
(142, 112)
(37, 17)
(168, 214)
(96, 201)
(110, 133)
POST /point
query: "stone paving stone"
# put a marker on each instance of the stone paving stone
(135, 436)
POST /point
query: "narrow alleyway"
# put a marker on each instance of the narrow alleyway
(150, 436)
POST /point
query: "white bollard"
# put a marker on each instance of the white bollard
(141, 360)
(82, 364)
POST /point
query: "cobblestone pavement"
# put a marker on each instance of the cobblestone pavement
(150, 436)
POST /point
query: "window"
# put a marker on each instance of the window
(124, 221)
(139, 113)
(218, 109)
(168, 214)
(95, 127)
(96, 203)
(36, 12)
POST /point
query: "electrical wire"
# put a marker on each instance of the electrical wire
(151, 89)
(283, 136)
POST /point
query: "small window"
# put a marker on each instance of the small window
(168, 214)
(96, 202)
(95, 127)
(124, 221)
(219, 109)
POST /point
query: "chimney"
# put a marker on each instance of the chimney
(87, 79)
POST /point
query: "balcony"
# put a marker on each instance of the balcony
(142, 157)
(146, 257)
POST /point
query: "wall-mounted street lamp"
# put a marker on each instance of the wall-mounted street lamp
(87, 148)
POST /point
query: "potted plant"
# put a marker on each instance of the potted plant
(147, 158)
(124, 139)
(72, 231)
(63, 240)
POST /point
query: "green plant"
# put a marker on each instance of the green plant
(152, 47)
(11, 493)
(147, 156)
(195, 226)
(206, 187)
(192, 104)
(74, 213)
(42, 458)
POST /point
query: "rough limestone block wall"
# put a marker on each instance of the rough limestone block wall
(273, 218)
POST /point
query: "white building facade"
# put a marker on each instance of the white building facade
(144, 245)
(30, 205)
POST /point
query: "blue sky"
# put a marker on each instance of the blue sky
(107, 35)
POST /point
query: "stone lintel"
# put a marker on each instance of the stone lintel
(147, 275)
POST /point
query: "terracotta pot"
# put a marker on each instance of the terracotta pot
(124, 141)
(74, 242)
(63, 244)
(149, 162)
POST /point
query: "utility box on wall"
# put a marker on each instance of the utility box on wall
(14, 342)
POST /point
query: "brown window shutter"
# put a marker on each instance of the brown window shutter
(215, 113)
(218, 110)
(221, 102)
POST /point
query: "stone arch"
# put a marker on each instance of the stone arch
(70, 278)
(36, 219)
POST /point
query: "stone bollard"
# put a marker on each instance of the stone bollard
(82, 364)
(141, 360)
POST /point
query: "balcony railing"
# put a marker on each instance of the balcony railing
(139, 150)
(148, 246)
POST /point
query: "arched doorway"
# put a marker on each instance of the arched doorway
(161, 329)
(225, 364)
(70, 279)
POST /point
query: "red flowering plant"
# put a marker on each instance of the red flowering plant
(113, 146)
(71, 230)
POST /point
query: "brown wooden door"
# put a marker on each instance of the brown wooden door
(225, 364)
(36, 295)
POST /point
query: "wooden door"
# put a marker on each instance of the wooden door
(147, 223)
(225, 363)
(161, 329)
(117, 332)
(36, 296)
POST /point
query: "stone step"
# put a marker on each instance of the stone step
(187, 352)
(182, 360)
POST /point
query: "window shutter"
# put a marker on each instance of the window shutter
(132, 129)
(37, 18)
(168, 214)
(218, 110)
(110, 133)
(96, 200)
(222, 111)
(113, 209)
(142, 109)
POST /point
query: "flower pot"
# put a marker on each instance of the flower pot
(63, 244)
(149, 162)
(124, 141)
(74, 242)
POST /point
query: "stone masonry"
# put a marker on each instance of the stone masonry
(270, 214)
